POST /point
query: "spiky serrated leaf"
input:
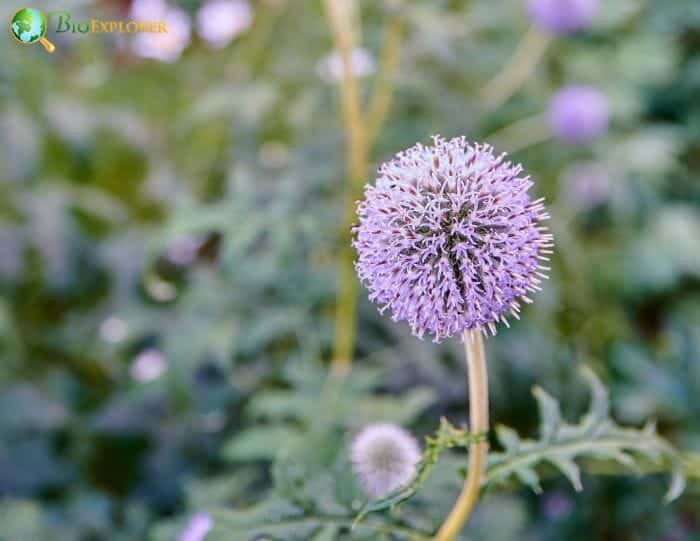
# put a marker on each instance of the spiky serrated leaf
(260, 443)
(568, 467)
(677, 486)
(596, 436)
(550, 416)
(276, 518)
(528, 477)
(508, 438)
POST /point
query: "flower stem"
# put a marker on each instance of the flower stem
(360, 129)
(521, 134)
(355, 164)
(478, 424)
(518, 69)
(380, 102)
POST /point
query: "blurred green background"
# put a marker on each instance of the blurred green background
(169, 228)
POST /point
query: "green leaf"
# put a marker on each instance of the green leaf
(260, 442)
(327, 533)
(549, 413)
(21, 520)
(595, 438)
(276, 518)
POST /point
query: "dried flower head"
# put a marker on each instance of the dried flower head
(384, 456)
(449, 239)
(562, 17)
(578, 113)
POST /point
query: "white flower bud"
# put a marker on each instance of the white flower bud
(384, 456)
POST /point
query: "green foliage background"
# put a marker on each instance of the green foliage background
(110, 163)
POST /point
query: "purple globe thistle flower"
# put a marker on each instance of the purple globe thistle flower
(449, 238)
(578, 113)
(384, 456)
(562, 17)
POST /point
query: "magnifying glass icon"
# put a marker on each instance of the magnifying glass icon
(28, 25)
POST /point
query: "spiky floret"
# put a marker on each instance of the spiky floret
(449, 239)
(384, 456)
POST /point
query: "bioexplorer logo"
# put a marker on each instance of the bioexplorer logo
(29, 25)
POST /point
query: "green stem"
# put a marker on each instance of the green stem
(521, 134)
(478, 424)
(518, 69)
(356, 165)
(360, 130)
(380, 103)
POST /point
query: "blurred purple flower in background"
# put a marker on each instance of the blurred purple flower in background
(578, 113)
(449, 238)
(220, 21)
(197, 528)
(113, 329)
(384, 456)
(556, 505)
(586, 185)
(562, 17)
(166, 47)
(147, 10)
(183, 250)
(330, 68)
(148, 365)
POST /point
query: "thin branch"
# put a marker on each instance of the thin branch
(380, 102)
(518, 69)
(356, 163)
(521, 134)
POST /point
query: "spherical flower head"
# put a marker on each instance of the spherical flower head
(578, 113)
(449, 239)
(562, 17)
(384, 456)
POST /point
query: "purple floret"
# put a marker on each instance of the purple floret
(449, 238)
(578, 113)
(562, 17)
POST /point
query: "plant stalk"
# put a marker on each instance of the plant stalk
(382, 94)
(517, 71)
(478, 424)
(360, 129)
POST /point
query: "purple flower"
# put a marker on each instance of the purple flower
(197, 528)
(557, 505)
(562, 17)
(587, 185)
(449, 238)
(220, 21)
(578, 113)
(166, 47)
(384, 456)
